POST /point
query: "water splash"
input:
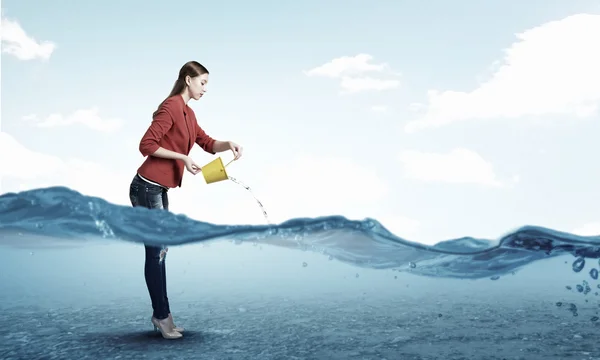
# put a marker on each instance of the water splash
(58, 214)
(251, 193)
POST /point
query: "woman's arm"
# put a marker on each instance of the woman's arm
(161, 152)
(213, 146)
(220, 146)
(161, 123)
(149, 145)
(205, 141)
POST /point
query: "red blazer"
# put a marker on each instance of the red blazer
(174, 127)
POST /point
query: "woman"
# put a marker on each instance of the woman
(166, 144)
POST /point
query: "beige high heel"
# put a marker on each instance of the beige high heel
(176, 328)
(165, 329)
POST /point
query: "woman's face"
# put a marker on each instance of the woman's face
(197, 86)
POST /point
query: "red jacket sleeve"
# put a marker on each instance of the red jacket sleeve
(204, 141)
(161, 123)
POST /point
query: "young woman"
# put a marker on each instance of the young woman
(166, 144)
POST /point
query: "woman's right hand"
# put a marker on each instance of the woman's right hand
(191, 166)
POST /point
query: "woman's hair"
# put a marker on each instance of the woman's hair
(191, 68)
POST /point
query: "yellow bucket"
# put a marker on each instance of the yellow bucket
(214, 171)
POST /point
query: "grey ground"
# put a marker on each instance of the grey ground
(308, 329)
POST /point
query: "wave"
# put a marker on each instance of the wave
(60, 213)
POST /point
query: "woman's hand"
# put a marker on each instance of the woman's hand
(191, 166)
(235, 149)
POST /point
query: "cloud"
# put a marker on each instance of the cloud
(86, 117)
(351, 71)
(354, 85)
(320, 185)
(551, 70)
(347, 65)
(28, 164)
(379, 108)
(310, 185)
(17, 43)
(589, 229)
(460, 166)
(415, 106)
(30, 169)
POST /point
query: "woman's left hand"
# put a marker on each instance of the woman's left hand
(235, 149)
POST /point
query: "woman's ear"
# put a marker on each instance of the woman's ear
(188, 80)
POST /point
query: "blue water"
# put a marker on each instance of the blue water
(62, 213)
(57, 234)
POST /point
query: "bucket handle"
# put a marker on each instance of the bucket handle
(232, 160)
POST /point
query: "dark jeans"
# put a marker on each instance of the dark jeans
(142, 193)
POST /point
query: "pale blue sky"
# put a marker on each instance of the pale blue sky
(124, 59)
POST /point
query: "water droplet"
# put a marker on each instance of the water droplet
(586, 287)
(395, 276)
(579, 288)
(568, 287)
(412, 265)
(304, 264)
(495, 277)
(594, 274)
(357, 275)
(578, 264)
(594, 318)
(559, 304)
(330, 257)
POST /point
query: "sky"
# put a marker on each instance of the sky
(440, 120)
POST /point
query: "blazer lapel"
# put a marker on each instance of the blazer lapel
(190, 128)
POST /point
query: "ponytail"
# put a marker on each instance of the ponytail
(177, 89)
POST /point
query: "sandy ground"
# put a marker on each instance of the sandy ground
(309, 329)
